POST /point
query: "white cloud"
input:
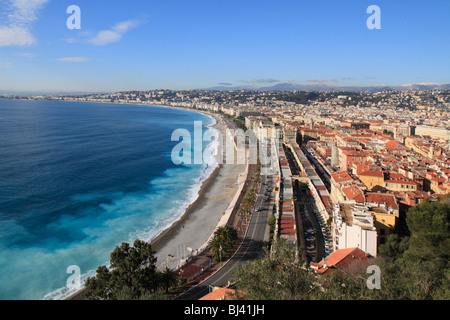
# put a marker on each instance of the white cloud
(71, 40)
(115, 34)
(6, 65)
(17, 17)
(16, 36)
(25, 11)
(73, 59)
(27, 55)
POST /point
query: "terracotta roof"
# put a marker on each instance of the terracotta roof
(399, 178)
(372, 173)
(340, 259)
(354, 193)
(439, 179)
(382, 198)
(341, 176)
(417, 194)
(219, 294)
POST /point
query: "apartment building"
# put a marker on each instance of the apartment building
(353, 226)
(434, 132)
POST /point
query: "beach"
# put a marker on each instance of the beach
(193, 230)
(212, 207)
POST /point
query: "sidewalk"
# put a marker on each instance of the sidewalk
(200, 266)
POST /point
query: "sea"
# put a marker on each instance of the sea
(79, 178)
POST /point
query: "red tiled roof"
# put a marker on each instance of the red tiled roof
(326, 201)
(372, 173)
(341, 176)
(219, 294)
(399, 178)
(340, 259)
(354, 193)
(382, 198)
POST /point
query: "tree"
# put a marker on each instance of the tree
(222, 242)
(276, 277)
(168, 278)
(133, 271)
(394, 247)
(98, 288)
(429, 227)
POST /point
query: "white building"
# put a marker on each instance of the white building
(434, 132)
(353, 226)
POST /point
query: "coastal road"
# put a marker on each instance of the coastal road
(251, 248)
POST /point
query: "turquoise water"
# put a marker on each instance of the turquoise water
(77, 179)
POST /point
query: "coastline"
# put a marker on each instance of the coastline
(192, 231)
(195, 227)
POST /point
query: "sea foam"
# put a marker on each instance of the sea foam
(130, 209)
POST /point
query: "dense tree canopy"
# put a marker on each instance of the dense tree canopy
(133, 275)
(429, 227)
(222, 242)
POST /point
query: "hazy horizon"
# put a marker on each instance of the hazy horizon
(47, 46)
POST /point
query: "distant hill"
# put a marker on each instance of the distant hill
(289, 86)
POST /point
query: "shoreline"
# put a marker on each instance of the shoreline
(161, 239)
(201, 218)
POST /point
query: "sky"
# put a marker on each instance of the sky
(180, 44)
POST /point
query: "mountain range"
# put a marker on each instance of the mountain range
(290, 86)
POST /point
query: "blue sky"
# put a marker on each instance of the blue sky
(179, 44)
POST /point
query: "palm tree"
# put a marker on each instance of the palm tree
(215, 247)
(222, 242)
(168, 278)
(230, 237)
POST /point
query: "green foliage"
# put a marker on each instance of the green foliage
(248, 203)
(429, 227)
(127, 294)
(390, 133)
(222, 242)
(168, 278)
(132, 276)
(394, 247)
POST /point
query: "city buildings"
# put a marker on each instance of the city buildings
(378, 153)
